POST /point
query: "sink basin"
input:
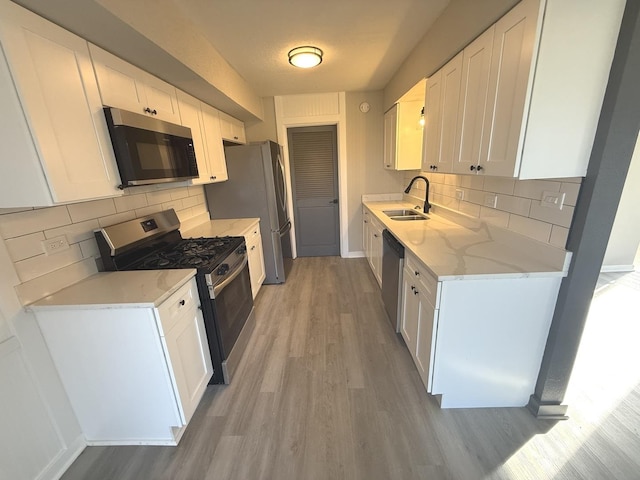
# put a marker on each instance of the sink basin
(400, 213)
(409, 217)
(404, 215)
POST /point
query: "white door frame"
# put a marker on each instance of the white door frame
(338, 119)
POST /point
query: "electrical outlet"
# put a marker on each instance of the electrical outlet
(459, 194)
(55, 245)
(490, 200)
(553, 200)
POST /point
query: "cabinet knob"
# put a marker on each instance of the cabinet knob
(415, 292)
(413, 289)
(253, 248)
(147, 110)
(181, 302)
(479, 167)
(417, 273)
(366, 221)
(235, 138)
(212, 177)
(472, 168)
(433, 167)
(375, 235)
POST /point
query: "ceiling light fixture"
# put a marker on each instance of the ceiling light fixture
(305, 57)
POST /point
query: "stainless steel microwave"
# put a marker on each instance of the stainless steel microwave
(149, 150)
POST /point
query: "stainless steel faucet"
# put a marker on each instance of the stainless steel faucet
(427, 205)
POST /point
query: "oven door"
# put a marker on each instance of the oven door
(232, 305)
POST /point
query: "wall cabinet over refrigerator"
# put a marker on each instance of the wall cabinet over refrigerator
(531, 91)
(56, 145)
(232, 129)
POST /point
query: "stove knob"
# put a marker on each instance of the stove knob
(242, 249)
(222, 269)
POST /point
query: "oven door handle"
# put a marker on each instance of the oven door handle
(218, 288)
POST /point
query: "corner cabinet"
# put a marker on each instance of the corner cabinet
(134, 374)
(372, 239)
(207, 140)
(509, 125)
(56, 144)
(126, 86)
(403, 136)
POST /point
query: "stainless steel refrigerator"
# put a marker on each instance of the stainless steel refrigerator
(256, 188)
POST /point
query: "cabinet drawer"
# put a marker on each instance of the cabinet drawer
(426, 281)
(185, 300)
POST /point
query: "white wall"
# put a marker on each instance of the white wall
(625, 235)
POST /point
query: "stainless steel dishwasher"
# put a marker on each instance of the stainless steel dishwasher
(392, 264)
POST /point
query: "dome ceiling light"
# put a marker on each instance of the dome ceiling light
(305, 57)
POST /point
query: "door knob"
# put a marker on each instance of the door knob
(335, 200)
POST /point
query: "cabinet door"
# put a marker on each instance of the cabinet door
(125, 86)
(232, 129)
(509, 83)
(390, 137)
(376, 251)
(256, 260)
(425, 338)
(410, 312)
(366, 235)
(56, 86)
(215, 148)
(191, 116)
(409, 136)
(450, 96)
(190, 361)
(432, 122)
(476, 63)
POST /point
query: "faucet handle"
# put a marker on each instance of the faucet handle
(417, 207)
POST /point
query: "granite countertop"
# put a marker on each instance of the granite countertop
(221, 228)
(129, 289)
(464, 250)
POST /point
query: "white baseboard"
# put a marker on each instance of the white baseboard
(57, 467)
(353, 255)
(616, 268)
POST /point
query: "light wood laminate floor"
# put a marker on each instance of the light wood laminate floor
(328, 391)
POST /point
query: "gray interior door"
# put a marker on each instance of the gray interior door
(314, 173)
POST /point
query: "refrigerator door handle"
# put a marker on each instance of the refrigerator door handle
(285, 228)
(284, 184)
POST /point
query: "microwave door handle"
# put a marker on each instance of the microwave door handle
(218, 288)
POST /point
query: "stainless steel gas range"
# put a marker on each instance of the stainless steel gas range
(224, 287)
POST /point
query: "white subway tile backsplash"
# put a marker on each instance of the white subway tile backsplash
(130, 202)
(141, 212)
(155, 198)
(94, 209)
(571, 191)
(533, 188)
(33, 267)
(31, 221)
(26, 246)
(4, 211)
(76, 232)
(517, 205)
(470, 208)
(514, 201)
(24, 229)
(89, 248)
(552, 215)
(499, 185)
(117, 218)
(495, 217)
(531, 228)
(559, 236)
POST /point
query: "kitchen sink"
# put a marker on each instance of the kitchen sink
(405, 215)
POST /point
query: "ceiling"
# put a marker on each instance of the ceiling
(364, 41)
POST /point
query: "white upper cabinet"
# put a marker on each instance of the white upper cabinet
(549, 70)
(403, 136)
(213, 143)
(125, 86)
(56, 146)
(232, 129)
(527, 93)
(441, 113)
(476, 63)
(207, 141)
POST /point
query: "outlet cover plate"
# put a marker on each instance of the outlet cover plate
(553, 200)
(490, 200)
(459, 194)
(55, 245)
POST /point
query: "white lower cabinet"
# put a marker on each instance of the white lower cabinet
(255, 253)
(476, 343)
(372, 231)
(56, 145)
(134, 375)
